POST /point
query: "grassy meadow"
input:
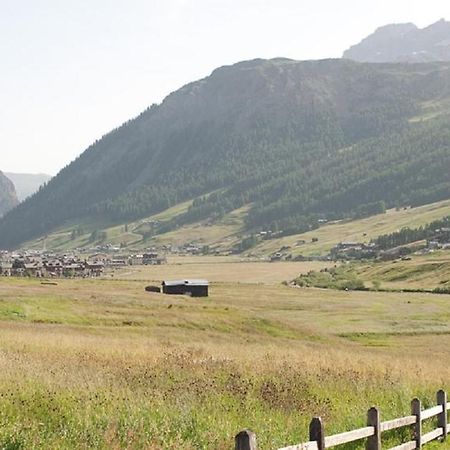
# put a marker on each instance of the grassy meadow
(104, 364)
(229, 269)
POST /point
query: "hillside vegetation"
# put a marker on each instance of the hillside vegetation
(424, 272)
(297, 141)
(224, 234)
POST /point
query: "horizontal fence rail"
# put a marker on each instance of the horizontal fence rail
(372, 433)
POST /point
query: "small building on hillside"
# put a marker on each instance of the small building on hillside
(276, 257)
(194, 288)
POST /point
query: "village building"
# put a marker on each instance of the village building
(152, 258)
(94, 268)
(136, 260)
(6, 268)
(117, 262)
(33, 269)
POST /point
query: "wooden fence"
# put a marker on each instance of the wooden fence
(372, 433)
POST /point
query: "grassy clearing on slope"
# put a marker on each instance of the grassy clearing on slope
(432, 109)
(227, 232)
(220, 235)
(420, 272)
(103, 364)
(61, 239)
(361, 230)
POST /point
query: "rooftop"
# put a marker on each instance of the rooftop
(185, 282)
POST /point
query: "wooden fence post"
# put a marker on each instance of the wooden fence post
(373, 420)
(317, 433)
(442, 417)
(416, 410)
(245, 440)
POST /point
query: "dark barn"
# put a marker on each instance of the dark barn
(194, 288)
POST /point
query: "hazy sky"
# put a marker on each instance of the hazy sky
(71, 70)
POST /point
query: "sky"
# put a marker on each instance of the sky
(72, 70)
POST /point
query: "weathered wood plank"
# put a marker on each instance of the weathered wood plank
(349, 436)
(428, 413)
(441, 398)
(431, 436)
(312, 445)
(411, 445)
(416, 410)
(245, 440)
(373, 420)
(317, 432)
(397, 423)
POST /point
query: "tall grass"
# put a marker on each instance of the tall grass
(62, 388)
(116, 368)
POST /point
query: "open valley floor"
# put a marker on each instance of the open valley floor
(101, 363)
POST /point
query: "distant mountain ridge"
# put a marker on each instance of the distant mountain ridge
(27, 184)
(297, 142)
(8, 197)
(404, 43)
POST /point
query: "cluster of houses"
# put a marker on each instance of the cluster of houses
(359, 250)
(441, 239)
(47, 264)
(354, 250)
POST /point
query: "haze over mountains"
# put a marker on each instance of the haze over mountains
(296, 142)
(16, 187)
(8, 196)
(27, 184)
(404, 43)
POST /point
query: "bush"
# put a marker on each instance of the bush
(341, 279)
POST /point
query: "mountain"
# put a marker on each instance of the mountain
(8, 197)
(404, 43)
(296, 142)
(27, 184)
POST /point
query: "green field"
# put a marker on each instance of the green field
(104, 364)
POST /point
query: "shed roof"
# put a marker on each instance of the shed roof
(185, 283)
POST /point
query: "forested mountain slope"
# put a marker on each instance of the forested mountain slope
(299, 141)
(8, 197)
